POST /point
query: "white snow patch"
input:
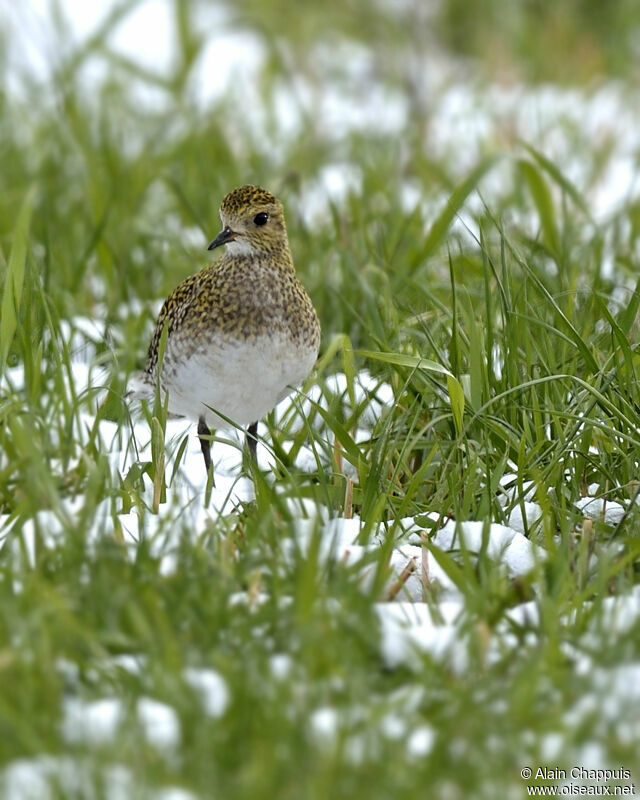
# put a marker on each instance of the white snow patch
(281, 665)
(160, 723)
(409, 629)
(421, 741)
(133, 664)
(47, 777)
(212, 688)
(174, 793)
(393, 726)
(598, 508)
(532, 513)
(325, 723)
(35, 778)
(503, 544)
(619, 614)
(95, 722)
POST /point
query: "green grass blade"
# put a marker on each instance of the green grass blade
(543, 202)
(14, 280)
(456, 392)
(456, 399)
(456, 200)
(561, 180)
(627, 316)
(403, 360)
(575, 337)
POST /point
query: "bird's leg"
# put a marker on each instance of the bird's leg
(205, 442)
(252, 440)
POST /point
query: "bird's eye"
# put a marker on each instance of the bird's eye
(261, 218)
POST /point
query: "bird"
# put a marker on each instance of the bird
(242, 333)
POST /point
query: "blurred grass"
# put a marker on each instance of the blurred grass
(539, 342)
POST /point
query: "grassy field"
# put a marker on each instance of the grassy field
(448, 193)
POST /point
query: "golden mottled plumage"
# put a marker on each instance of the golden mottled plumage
(242, 294)
(246, 312)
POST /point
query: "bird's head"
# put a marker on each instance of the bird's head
(252, 222)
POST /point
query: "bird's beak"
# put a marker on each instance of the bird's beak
(225, 235)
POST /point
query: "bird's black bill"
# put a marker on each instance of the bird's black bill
(225, 235)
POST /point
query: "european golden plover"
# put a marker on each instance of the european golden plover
(242, 333)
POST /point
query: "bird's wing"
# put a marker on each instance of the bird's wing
(173, 311)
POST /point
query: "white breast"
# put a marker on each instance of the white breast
(243, 380)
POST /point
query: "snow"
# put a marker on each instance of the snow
(324, 724)
(128, 662)
(518, 554)
(392, 726)
(462, 122)
(619, 614)
(601, 509)
(212, 689)
(409, 627)
(47, 777)
(160, 723)
(29, 779)
(281, 665)
(421, 741)
(95, 722)
(532, 514)
(174, 793)
(409, 630)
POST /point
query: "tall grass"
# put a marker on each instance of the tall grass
(512, 359)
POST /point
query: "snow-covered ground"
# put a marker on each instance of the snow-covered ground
(409, 624)
(413, 623)
(465, 120)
